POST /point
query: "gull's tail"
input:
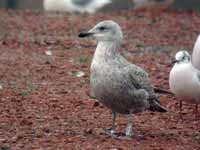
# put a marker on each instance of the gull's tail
(156, 106)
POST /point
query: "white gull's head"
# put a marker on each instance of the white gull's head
(105, 31)
(182, 56)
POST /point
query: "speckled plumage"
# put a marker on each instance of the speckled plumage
(117, 83)
(120, 85)
(113, 82)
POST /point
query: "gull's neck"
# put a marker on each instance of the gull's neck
(188, 66)
(107, 50)
(184, 64)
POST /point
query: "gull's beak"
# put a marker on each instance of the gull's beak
(90, 33)
(174, 61)
(85, 34)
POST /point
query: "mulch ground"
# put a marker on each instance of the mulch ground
(45, 104)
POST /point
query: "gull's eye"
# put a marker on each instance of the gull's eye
(184, 56)
(102, 28)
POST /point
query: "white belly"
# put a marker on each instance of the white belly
(184, 83)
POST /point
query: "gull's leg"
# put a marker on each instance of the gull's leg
(111, 130)
(128, 132)
(129, 127)
(196, 111)
(180, 109)
(114, 114)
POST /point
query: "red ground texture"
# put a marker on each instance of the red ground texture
(45, 106)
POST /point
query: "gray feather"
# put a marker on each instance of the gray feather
(81, 2)
(198, 76)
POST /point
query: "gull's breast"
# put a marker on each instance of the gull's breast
(111, 86)
(183, 83)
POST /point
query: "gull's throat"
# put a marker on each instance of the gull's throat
(106, 50)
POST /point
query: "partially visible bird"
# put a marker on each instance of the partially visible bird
(152, 6)
(184, 80)
(120, 85)
(196, 54)
(81, 6)
(117, 5)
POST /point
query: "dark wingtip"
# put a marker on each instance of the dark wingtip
(82, 34)
(162, 91)
(157, 107)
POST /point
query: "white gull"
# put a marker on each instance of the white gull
(81, 6)
(184, 79)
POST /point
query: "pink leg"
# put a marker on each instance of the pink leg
(180, 109)
(196, 111)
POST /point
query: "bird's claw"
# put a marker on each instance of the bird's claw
(120, 136)
(110, 132)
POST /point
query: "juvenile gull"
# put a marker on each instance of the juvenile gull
(196, 54)
(89, 6)
(184, 80)
(120, 85)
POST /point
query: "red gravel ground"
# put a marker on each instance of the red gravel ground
(45, 106)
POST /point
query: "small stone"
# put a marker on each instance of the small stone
(96, 104)
(1, 87)
(80, 74)
(49, 53)
(89, 131)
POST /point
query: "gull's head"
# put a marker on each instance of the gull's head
(182, 57)
(105, 31)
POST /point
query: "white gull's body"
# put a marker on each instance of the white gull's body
(196, 54)
(184, 80)
(150, 3)
(82, 6)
